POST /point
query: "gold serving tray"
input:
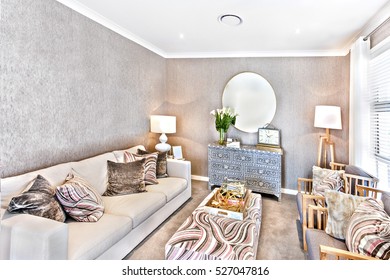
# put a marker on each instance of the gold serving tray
(234, 209)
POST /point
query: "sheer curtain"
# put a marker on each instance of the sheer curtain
(369, 135)
(359, 111)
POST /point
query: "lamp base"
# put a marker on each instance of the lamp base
(322, 151)
(163, 146)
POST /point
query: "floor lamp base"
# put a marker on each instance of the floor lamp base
(322, 151)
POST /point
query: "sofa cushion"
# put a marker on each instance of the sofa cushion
(341, 206)
(79, 199)
(120, 154)
(150, 177)
(94, 170)
(138, 207)
(170, 187)
(90, 240)
(161, 166)
(125, 178)
(38, 200)
(368, 231)
(317, 237)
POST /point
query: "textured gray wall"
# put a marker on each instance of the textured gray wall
(195, 87)
(70, 88)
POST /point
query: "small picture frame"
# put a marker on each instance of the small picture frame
(177, 152)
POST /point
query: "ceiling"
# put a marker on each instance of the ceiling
(190, 28)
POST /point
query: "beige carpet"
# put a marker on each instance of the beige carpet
(278, 236)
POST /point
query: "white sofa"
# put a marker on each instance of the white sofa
(127, 219)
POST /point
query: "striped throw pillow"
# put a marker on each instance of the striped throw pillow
(150, 176)
(161, 167)
(79, 200)
(368, 230)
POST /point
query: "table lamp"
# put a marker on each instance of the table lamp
(163, 124)
(328, 117)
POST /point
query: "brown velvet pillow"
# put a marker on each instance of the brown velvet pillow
(125, 178)
(161, 166)
(38, 200)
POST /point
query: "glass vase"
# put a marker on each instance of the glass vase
(222, 135)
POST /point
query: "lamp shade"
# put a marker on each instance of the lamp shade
(162, 124)
(327, 117)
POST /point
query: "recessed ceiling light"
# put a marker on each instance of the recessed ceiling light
(231, 20)
(181, 35)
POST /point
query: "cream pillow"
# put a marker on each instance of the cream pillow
(340, 206)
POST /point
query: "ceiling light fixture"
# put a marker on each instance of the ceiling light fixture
(231, 20)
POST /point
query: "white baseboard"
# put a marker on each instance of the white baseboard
(206, 179)
(200, 178)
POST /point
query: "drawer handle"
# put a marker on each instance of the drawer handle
(267, 161)
(220, 155)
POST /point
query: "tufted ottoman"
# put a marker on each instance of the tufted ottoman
(205, 236)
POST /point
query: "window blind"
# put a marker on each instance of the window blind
(379, 101)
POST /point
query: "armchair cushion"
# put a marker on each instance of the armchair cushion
(327, 179)
(340, 206)
(368, 231)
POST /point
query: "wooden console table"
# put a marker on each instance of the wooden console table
(261, 168)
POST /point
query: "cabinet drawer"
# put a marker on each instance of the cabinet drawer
(257, 185)
(243, 157)
(219, 154)
(261, 172)
(218, 166)
(271, 162)
(217, 178)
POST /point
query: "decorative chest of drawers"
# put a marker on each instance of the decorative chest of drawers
(260, 168)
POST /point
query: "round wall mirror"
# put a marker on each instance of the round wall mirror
(253, 98)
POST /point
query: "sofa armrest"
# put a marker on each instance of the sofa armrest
(179, 168)
(28, 237)
(339, 254)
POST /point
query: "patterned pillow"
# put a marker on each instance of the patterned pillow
(125, 178)
(327, 179)
(368, 231)
(39, 200)
(150, 176)
(79, 200)
(161, 168)
(340, 206)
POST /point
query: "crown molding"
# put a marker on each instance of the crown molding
(85, 11)
(285, 53)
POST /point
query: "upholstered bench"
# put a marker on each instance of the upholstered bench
(204, 236)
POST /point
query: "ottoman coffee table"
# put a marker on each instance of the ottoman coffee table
(205, 236)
